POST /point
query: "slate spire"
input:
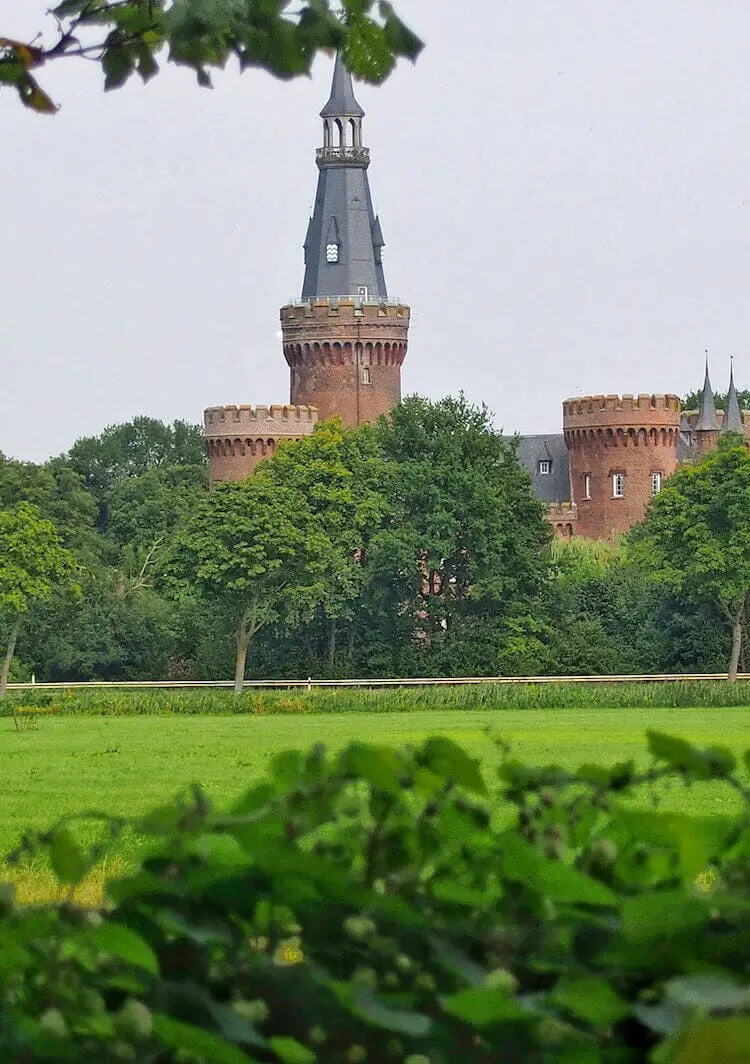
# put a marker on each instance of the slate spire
(707, 420)
(344, 241)
(343, 103)
(733, 415)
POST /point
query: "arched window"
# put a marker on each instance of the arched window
(366, 375)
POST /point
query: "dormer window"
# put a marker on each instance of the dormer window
(332, 253)
(545, 467)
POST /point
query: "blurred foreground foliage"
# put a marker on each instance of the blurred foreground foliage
(382, 905)
(127, 37)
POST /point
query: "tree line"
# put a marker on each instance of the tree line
(412, 547)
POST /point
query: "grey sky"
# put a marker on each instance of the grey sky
(563, 190)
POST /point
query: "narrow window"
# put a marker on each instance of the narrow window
(587, 485)
(618, 485)
(366, 375)
(363, 291)
(545, 467)
(655, 483)
(332, 253)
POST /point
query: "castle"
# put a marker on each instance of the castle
(345, 341)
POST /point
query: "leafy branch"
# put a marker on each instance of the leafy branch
(127, 37)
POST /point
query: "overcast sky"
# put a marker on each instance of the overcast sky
(563, 189)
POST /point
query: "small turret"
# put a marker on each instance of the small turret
(733, 415)
(706, 429)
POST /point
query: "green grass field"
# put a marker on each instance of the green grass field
(126, 765)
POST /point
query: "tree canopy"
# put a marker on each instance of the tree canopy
(33, 563)
(696, 536)
(129, 37)
(255, 551)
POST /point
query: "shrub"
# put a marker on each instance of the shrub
(379, 905)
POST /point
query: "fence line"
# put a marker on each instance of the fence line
(309, 684)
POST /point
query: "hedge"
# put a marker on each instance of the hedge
(381, 905)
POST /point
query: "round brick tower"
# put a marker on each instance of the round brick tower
(345, 356)
(345, 340)
(622, 449)
(238, 437)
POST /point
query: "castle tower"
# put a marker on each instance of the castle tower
(706, 429)
(621, 449)
(345, 340)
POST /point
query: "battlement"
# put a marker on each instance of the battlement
(563, 516)
(278, 419)
(621, 411)
(354, 309)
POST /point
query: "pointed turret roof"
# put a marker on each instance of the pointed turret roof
(344, 242)
(343, 103)
(707, 420)
(733, 415)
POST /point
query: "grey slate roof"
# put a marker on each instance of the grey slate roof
(733, 416)
(707, 420)
(343, 213)
(547, 487)
(343, 103)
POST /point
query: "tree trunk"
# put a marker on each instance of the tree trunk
(736, 644)
(240, 662)
(247, 626)
(9, 654)
(332, 632)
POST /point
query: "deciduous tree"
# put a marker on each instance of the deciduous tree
(696, 536)
(33, 565)
(342, 475)
(462, 557)
(255, 550)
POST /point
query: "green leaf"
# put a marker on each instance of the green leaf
(457, 962)
(451, 762)
(379, 765)
(661, 914)
(371, 1008)
(590, 999)
(127, 946)
(117, 63)
(67, 860)
(715, 763)
(709, 992)
(482, 1006)
(553, 879)
(696, 840)
(714, 1041)
(176, 1035)
(290, 1051)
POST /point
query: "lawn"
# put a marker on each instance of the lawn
(126, 765)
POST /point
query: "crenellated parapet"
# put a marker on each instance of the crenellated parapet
(239, 437)
(344, 331)
(610, 413)
(563, 517)
(345, 355)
